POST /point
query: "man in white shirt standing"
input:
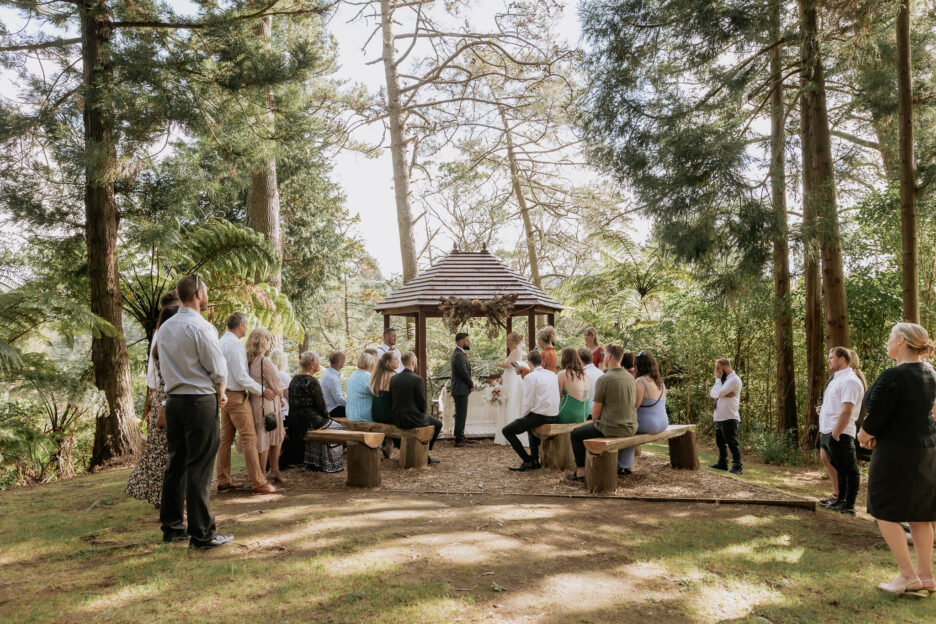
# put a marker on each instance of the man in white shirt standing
(541, 406)
(592, 372)
(389, 340)
(237, 414)
(841, 404)
(727, 395)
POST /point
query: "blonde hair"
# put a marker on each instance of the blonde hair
(591, 331)
(515, 336)
(366, 361)
(917, 338)
(279, 358)
(380, 378)
(547, 335)
(308, 359)
(259, 342)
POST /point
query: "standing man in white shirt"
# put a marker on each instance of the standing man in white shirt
(592, 372)
(727, 395)
(389, 340)
(841, 404)
(541, 406)
(195, 375)
(331, 385)
(237, 416)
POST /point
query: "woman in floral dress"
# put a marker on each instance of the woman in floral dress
(146, 480)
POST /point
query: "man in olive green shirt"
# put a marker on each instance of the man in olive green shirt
(614, 411)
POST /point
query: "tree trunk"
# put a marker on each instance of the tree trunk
(815, 361)
(521, 201)
(398, 146)
(818, 142)
(908, 210)
(116, 435)
(782, 307)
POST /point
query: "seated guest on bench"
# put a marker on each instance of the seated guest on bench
(614, 410)
(541, 406)
(307, 411)
(382, 402)
(651, 406)
(360, 399)
(573, 388)
(331, 385)
(627, 363)
(409, 401)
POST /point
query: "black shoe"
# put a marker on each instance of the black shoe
(623, 472)
(215, 542)
(735, 469)
(430, 461)
(829, 502)
(719, 466)
(527, 465)
(574, 477)
(174, 536)
(843, 507)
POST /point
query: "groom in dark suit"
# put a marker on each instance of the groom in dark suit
(462, 385)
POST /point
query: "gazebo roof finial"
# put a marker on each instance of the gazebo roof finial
(454, 246)
(484, 247)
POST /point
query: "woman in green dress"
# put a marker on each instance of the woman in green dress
(573, 388)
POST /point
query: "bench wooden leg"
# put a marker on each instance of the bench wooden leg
(601, 472)
(413, 453)
(557, 452)
(363, 465)
(637, 451)
(683, 453)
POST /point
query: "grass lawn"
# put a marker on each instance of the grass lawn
(80, 551)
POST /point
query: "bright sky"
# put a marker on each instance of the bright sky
(368, 183)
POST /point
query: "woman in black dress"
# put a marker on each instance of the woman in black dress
(900, 428)
(307, 411)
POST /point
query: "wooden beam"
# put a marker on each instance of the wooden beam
(551, 319)
(509, 329)
(421, 349)
(531, 330)
(386, 322)
(369, 439)
(596, 446)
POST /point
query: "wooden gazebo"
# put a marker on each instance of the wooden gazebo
(472, 275)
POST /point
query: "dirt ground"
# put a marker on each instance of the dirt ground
(483, 468)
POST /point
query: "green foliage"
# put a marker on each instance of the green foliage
(772, 447)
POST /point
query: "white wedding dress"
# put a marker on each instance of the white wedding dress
(513, 398)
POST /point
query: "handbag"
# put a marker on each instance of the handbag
(269, 418)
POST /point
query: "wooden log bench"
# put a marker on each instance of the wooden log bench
(362, 456)
(556, 450)
(414, 443)
(601, 459)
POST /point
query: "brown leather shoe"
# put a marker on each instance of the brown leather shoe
(460, 444)
(268, 489)
(228, 486)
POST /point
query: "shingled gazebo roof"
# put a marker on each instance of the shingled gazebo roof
(469, 275)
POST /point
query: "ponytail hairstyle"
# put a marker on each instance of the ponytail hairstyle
(854, 362)
(547, 335)
(917, 338)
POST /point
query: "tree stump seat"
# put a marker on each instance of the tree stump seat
(556, 451)
(601, 459)
(362, 457)
(414, 443)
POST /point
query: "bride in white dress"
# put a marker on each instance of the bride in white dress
(512, 388)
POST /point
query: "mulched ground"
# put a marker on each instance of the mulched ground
(481, 468)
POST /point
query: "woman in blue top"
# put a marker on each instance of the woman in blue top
(651, 406)
(358, 406)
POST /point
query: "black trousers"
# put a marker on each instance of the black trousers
(193, 435)
(579, 435)
(461, 415)
(843, 458)
(435, 422)
(527, 423)
(338, 412)
(726, 437)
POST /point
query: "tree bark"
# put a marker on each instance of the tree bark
(116, 435)
(782, 306)
(521, 202)
(398, 146)
(908, 210)
(815, 361)
(821, 195)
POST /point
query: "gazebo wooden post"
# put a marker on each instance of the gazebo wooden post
(531, 330)
(509, 327)
(421, 346)
(551, 319)
(386, 322)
